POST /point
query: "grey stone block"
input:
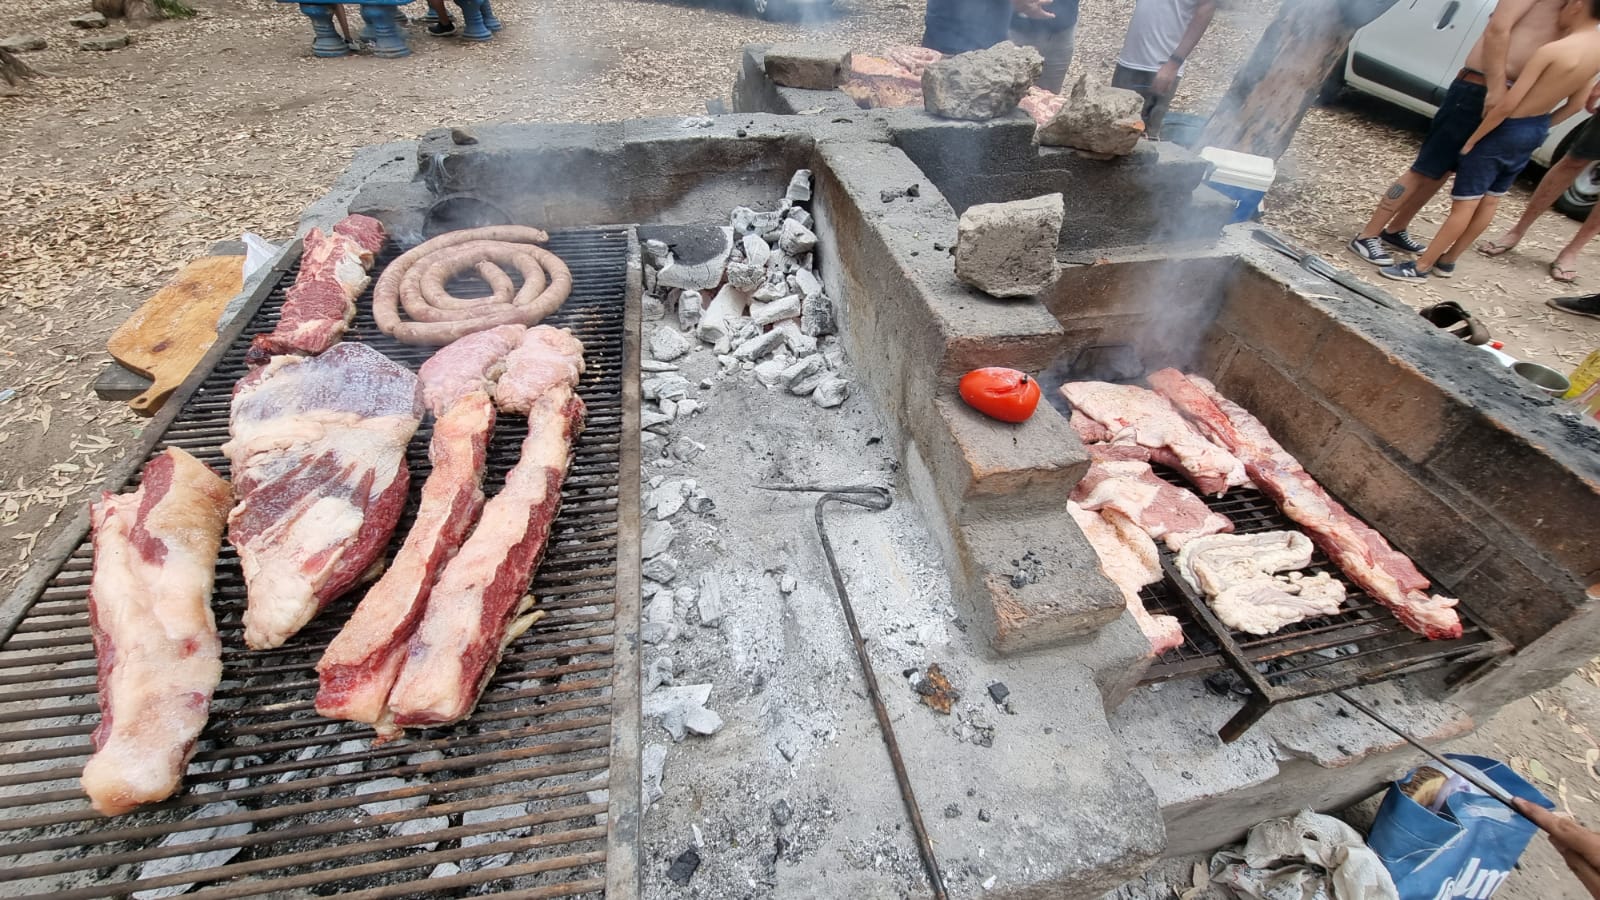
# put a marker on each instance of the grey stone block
(982, 84)
(1097, 118)
(812, 66)
(1009, 249)
(22, 43)
(109, 41)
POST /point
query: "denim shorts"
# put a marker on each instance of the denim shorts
(1458, 117)
(1497, 159)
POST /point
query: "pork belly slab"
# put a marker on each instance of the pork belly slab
(155, 640)
(1355, 547)
(471, 611)
(1132, 414)
(320, 304)
(1130, 559)
(1118, 478)
(545, 358)
(361, 664)
(1241, 577)
(318, 450)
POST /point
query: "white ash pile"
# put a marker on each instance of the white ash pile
(758, 302)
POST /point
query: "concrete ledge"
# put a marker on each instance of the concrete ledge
(754, 92)
(1002, 464)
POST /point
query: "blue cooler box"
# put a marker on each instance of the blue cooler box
(1243, 177)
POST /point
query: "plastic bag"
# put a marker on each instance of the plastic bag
(1308, 857)
(1465, 849)
(258, 252)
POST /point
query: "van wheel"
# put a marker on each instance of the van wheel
(1578, 200)
(1332, 86)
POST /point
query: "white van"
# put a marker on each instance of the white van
(1410, 54)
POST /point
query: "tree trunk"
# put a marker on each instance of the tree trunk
(12, 69)
(1273, 89)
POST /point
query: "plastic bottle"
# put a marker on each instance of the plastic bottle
(1586, 374)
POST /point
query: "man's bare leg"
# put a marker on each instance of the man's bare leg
(1551, 186)
(1482, 218)
(1567, 259)
(1400, 203)
(1462, 213)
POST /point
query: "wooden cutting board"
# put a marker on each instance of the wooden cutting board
(166, 336)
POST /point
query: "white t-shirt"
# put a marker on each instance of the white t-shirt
(1154, 32)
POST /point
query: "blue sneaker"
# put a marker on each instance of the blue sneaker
(1402, 240)
(1406, 271)
(1371, 250)
(1444, 269)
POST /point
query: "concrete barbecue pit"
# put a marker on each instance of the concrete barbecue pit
(1070, 760)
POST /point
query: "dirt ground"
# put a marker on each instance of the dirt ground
(120, 167)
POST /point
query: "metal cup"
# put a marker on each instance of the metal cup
(1543, 377)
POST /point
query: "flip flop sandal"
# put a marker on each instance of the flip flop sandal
(1452, 317)
(1563, 274)
(1495, 248)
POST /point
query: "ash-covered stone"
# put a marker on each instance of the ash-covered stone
(649, 418)
(702, 721)
(668, 385)
(799, 343)
(759, 346)
(831, 392)
(799, 190)
(805, 386)
(796, 239)
(690, 305)
(776, 287)
(799, 215)
(981, 84)
(728, 303)
(668, 343)
(770, 372)
(687, 406)
(815, 67)
(659, 623)
(1097, 118)
(800, 370)
(1009, 249)
(778, 310)
(656, 252)
(746, 277)
(806, 282)
(669, 409)
(661, 568)
(816, 316)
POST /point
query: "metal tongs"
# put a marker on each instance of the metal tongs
(1323, 269)
(1488, 787)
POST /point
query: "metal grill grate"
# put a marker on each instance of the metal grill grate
(1362, 644)
(288, 803)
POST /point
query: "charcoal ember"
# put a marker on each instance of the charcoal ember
(935, 690)
(656, 539)
(656, 253)
(651, 308)
(684, 867)
(194, 862)
(690, 305)
(747, 221)
(799, 190)
(799, 215)
(800, 370)
(659, 624)
(668, 343)
(806, 283)
(782, 813)
(805, 386)
(756, 250)
(796, 239)
(704, 270)
(998, 692)
(778, 310)
(759, 346)
(831, 392)
(800, 343)
(770, 372)
(745, 276)
(653, 765)
(776, 286)
(816, 316)
(710, 601)
(702, 721)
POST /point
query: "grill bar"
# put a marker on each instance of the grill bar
(1363, 644)
(283, 801)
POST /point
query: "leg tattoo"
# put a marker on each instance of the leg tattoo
(1396, 191)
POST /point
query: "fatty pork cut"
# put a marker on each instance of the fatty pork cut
(1132, 414)
(1118, 478)
(471, 363)
(1355, 547)
(1128, 557)
(318, 450)
(1240, 576)
(472, 612)
(156, 647)
(320, 304)
(361, 664)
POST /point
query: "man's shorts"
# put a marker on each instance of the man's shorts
(1458, 117)
(1497, 159)
(1587, 144)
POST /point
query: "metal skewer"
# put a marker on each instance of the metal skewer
(1493, 790)
(874, 498)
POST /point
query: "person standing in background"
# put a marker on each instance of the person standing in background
(1160, 38)
(1048, 27)
(959, 26)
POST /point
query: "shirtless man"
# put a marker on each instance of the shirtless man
(1516, 29)
(1559, 74)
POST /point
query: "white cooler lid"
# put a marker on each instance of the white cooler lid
(1242, 170)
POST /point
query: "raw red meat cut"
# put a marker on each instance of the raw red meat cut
(1388, 575)
(1130, 560)
(320, 304)
(470, 614)
(318, 450)
(471, 363)
(155, 640)
(361, 664)
(545, 358)
(1119, 479)
(877, 83)
(1135, 415)
(1042, 105)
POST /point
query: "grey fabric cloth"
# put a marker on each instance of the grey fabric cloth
(1155, 105)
